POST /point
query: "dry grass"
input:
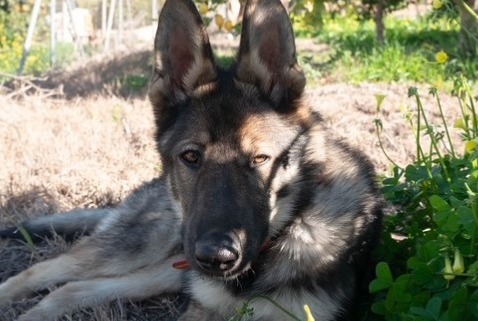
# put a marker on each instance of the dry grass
(60, 154)
(73, 153)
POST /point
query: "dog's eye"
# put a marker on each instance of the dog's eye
(191, 157)
(259, 160)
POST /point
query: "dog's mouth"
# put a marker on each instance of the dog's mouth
(185, 264)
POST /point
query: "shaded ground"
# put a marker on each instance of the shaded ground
(89, 149)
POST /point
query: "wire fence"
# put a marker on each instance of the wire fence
(88, 26)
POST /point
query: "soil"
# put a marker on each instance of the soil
(91, 142)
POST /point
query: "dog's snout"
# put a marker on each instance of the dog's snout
(217, 254)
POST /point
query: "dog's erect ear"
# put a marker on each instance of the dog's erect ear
(267, 57)
(184, 63)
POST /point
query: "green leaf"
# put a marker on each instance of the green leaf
(384, 278)
(400, 292)
(429, 251)
(473, 268)
(473, 304)
(383, 272)
(378, 285)
(27, 238)
(379, 308)
(416, 173)
(379, 98)
(434, 307)
(423, 275)
(421, 299)
(457, 309)
(421, 312)
(465, 218)
(439, 203)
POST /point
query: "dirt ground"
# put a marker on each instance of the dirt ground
(89, 148)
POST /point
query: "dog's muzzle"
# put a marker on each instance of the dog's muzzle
(217, 253)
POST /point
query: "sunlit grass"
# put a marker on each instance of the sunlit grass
(409, 52)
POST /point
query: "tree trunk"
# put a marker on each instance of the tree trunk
(379, 22)
(469, 28)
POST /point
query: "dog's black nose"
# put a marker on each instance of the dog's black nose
(216, 256)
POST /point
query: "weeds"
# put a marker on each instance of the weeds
(436, 198)
(246, 311)
(437, 219)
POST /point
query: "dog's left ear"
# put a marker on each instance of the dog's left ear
(267, 56)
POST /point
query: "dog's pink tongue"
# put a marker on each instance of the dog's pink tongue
(182, 264)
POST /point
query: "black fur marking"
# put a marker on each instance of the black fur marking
(283, 192)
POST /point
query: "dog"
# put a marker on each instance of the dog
(258, 205)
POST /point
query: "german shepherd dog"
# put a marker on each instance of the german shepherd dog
(257, 199)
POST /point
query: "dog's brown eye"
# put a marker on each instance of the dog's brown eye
(260, 159)
(191, 157)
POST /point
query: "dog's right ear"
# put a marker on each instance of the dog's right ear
(183, 58)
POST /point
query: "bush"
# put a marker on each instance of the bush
(435, 257)
(13, 29)
(431, 241)
(11, 41)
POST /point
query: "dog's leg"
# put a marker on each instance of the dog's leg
(85, 261)
(64, 268)
(141, 284)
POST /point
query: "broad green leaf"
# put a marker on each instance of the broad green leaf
(421, 299)
(421, 312)
(378, 285)
(439, 203)
(465, 218)
(457, 309)
(416, 173)
(400, 292)
(434, 307)
(473, 304)
(379, 308)
(383, 272)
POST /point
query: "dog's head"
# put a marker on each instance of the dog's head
(229, 139)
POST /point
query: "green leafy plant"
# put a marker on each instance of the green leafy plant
(431, 241)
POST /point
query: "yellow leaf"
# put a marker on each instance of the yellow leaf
(308, 313)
